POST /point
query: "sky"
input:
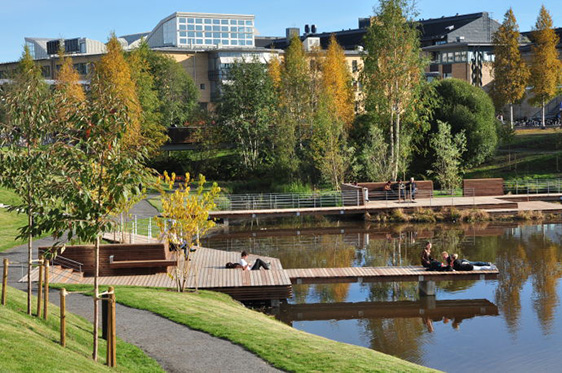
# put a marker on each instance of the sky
(97, 19)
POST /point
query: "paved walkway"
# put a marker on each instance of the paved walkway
(176, 347)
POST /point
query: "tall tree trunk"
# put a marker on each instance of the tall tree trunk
(397, 136)
(392, 144)
(96, 292)
(543, 112)
(511, 115)
(29, 261)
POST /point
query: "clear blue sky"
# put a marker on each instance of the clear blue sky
(96, 19)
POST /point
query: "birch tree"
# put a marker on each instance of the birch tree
(393, 74)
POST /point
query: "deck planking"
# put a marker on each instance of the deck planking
(383, 274)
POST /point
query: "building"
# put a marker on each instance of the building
(205, 44)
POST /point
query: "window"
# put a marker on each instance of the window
(248, 23)
(224, 21)
(202, 86)
(46, 71)
(208, 28)
(216, 21)
(183, 27)
(183, 33)
(354, 66)
(224, 28)
(190, 20)
(191, 34)
(183, 41)
(182, 20)
(190, 27)
(224, 35)
(207, 21)
(198, 21)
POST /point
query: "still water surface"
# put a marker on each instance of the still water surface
(510, 324)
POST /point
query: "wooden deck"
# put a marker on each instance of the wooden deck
(381, 274)
(495, 204)
(208, 272)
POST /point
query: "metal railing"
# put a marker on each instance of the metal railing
(67, 263)
(273, 201)
(535, 186)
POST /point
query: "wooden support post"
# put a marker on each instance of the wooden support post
(5, 280)
(40, 287)
(427, 287)
(63, 317)
(46, 292)
(111, 330)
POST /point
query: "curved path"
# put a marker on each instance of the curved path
(176, 347)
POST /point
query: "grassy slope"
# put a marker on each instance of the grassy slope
(531, 154)
(33, 343)
(9, 221)
(277, 343)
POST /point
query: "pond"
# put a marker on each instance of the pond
(513, 323)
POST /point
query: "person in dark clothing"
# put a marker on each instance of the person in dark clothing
(466, 265)
(426, 258)
(257, 264)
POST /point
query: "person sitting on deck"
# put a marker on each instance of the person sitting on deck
(426, 255)
(257, 264)
(466, 265)
(387, 189)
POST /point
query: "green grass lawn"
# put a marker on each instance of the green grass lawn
(9, 221)
(30, 344)
(532, 154)
(279, 344)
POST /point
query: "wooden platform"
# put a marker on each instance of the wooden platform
(381, 274)
(208, 273)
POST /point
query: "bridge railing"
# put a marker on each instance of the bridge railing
(534, 186)
(274, 201)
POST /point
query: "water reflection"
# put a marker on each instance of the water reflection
(525, 320)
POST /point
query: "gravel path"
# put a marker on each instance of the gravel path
(176, 347)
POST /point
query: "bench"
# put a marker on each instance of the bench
(121, 259)
(482, 187)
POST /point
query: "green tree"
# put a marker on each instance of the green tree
(469, 109)
(448, 151)
(101, 161)
(296, 108)
(247, 106)
(153, 128)
(25, 158)
(393, 75)
(185, 218)
(375, 156)
(176, 90)
(546, 68)
(511, 74)
(336, 82)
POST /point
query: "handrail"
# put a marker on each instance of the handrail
(68, 263)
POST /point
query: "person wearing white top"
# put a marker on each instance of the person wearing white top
(257, 264)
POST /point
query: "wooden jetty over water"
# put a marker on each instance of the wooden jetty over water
(149, 264)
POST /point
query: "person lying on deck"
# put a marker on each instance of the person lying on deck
(257, 264)
(466, 265)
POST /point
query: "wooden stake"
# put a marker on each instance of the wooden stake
(40, 287)
(5, 280)
(63, 317)
(46, 292)
(111, 330)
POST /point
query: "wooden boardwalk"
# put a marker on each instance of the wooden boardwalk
(381, 274)
(509, 204)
